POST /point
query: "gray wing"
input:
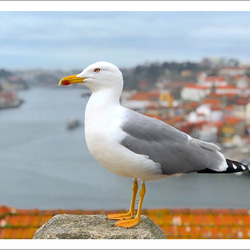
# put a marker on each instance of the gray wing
(174, 150)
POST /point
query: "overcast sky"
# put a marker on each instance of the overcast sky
(54, 40)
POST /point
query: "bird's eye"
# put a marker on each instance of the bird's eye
(97, 70)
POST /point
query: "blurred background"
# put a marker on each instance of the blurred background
(189, 69)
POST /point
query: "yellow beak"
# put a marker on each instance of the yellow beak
(71, 80)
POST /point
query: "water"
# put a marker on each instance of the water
(44, 165)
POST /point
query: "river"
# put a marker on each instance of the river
(43, 165)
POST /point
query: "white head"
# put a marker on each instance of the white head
(97, 76)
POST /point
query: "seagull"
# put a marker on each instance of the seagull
(133, 145)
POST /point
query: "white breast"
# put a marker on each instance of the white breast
(103, 136)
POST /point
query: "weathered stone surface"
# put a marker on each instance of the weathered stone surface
(66, 226)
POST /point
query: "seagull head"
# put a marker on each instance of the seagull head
(97, 76)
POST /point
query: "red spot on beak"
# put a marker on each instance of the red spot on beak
(66, 83)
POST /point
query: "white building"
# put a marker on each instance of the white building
(232, 71)
(195, 92)
(227, 90)
(206, 113)
(213, 81)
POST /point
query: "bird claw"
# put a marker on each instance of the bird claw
(125, 216)
(127, 223)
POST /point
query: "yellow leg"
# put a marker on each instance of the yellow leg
(131, 212)
(133, 222)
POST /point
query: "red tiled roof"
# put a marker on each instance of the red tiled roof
(214, 79)
(218, 124)
(232, 119)
(181, 223)
(174, 120)
(219, 95)
(216, 108)
(190, 105)
(242, 101)
(194, 104)
(237, 77)
(227, 87)
(140, 96)
(197, 86)
(177, 119)
(212, 101)
(229, 107)
(155, 105)
(145, 95)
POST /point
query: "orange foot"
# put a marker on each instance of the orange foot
(127, 223)
(126, 216)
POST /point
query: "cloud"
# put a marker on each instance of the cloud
(77, 25)
(65, 39)
(223, 32)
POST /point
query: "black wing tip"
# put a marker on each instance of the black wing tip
(233, 167)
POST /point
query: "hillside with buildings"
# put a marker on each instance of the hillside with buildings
(9, 84)
(209, 100)
(214, 107)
